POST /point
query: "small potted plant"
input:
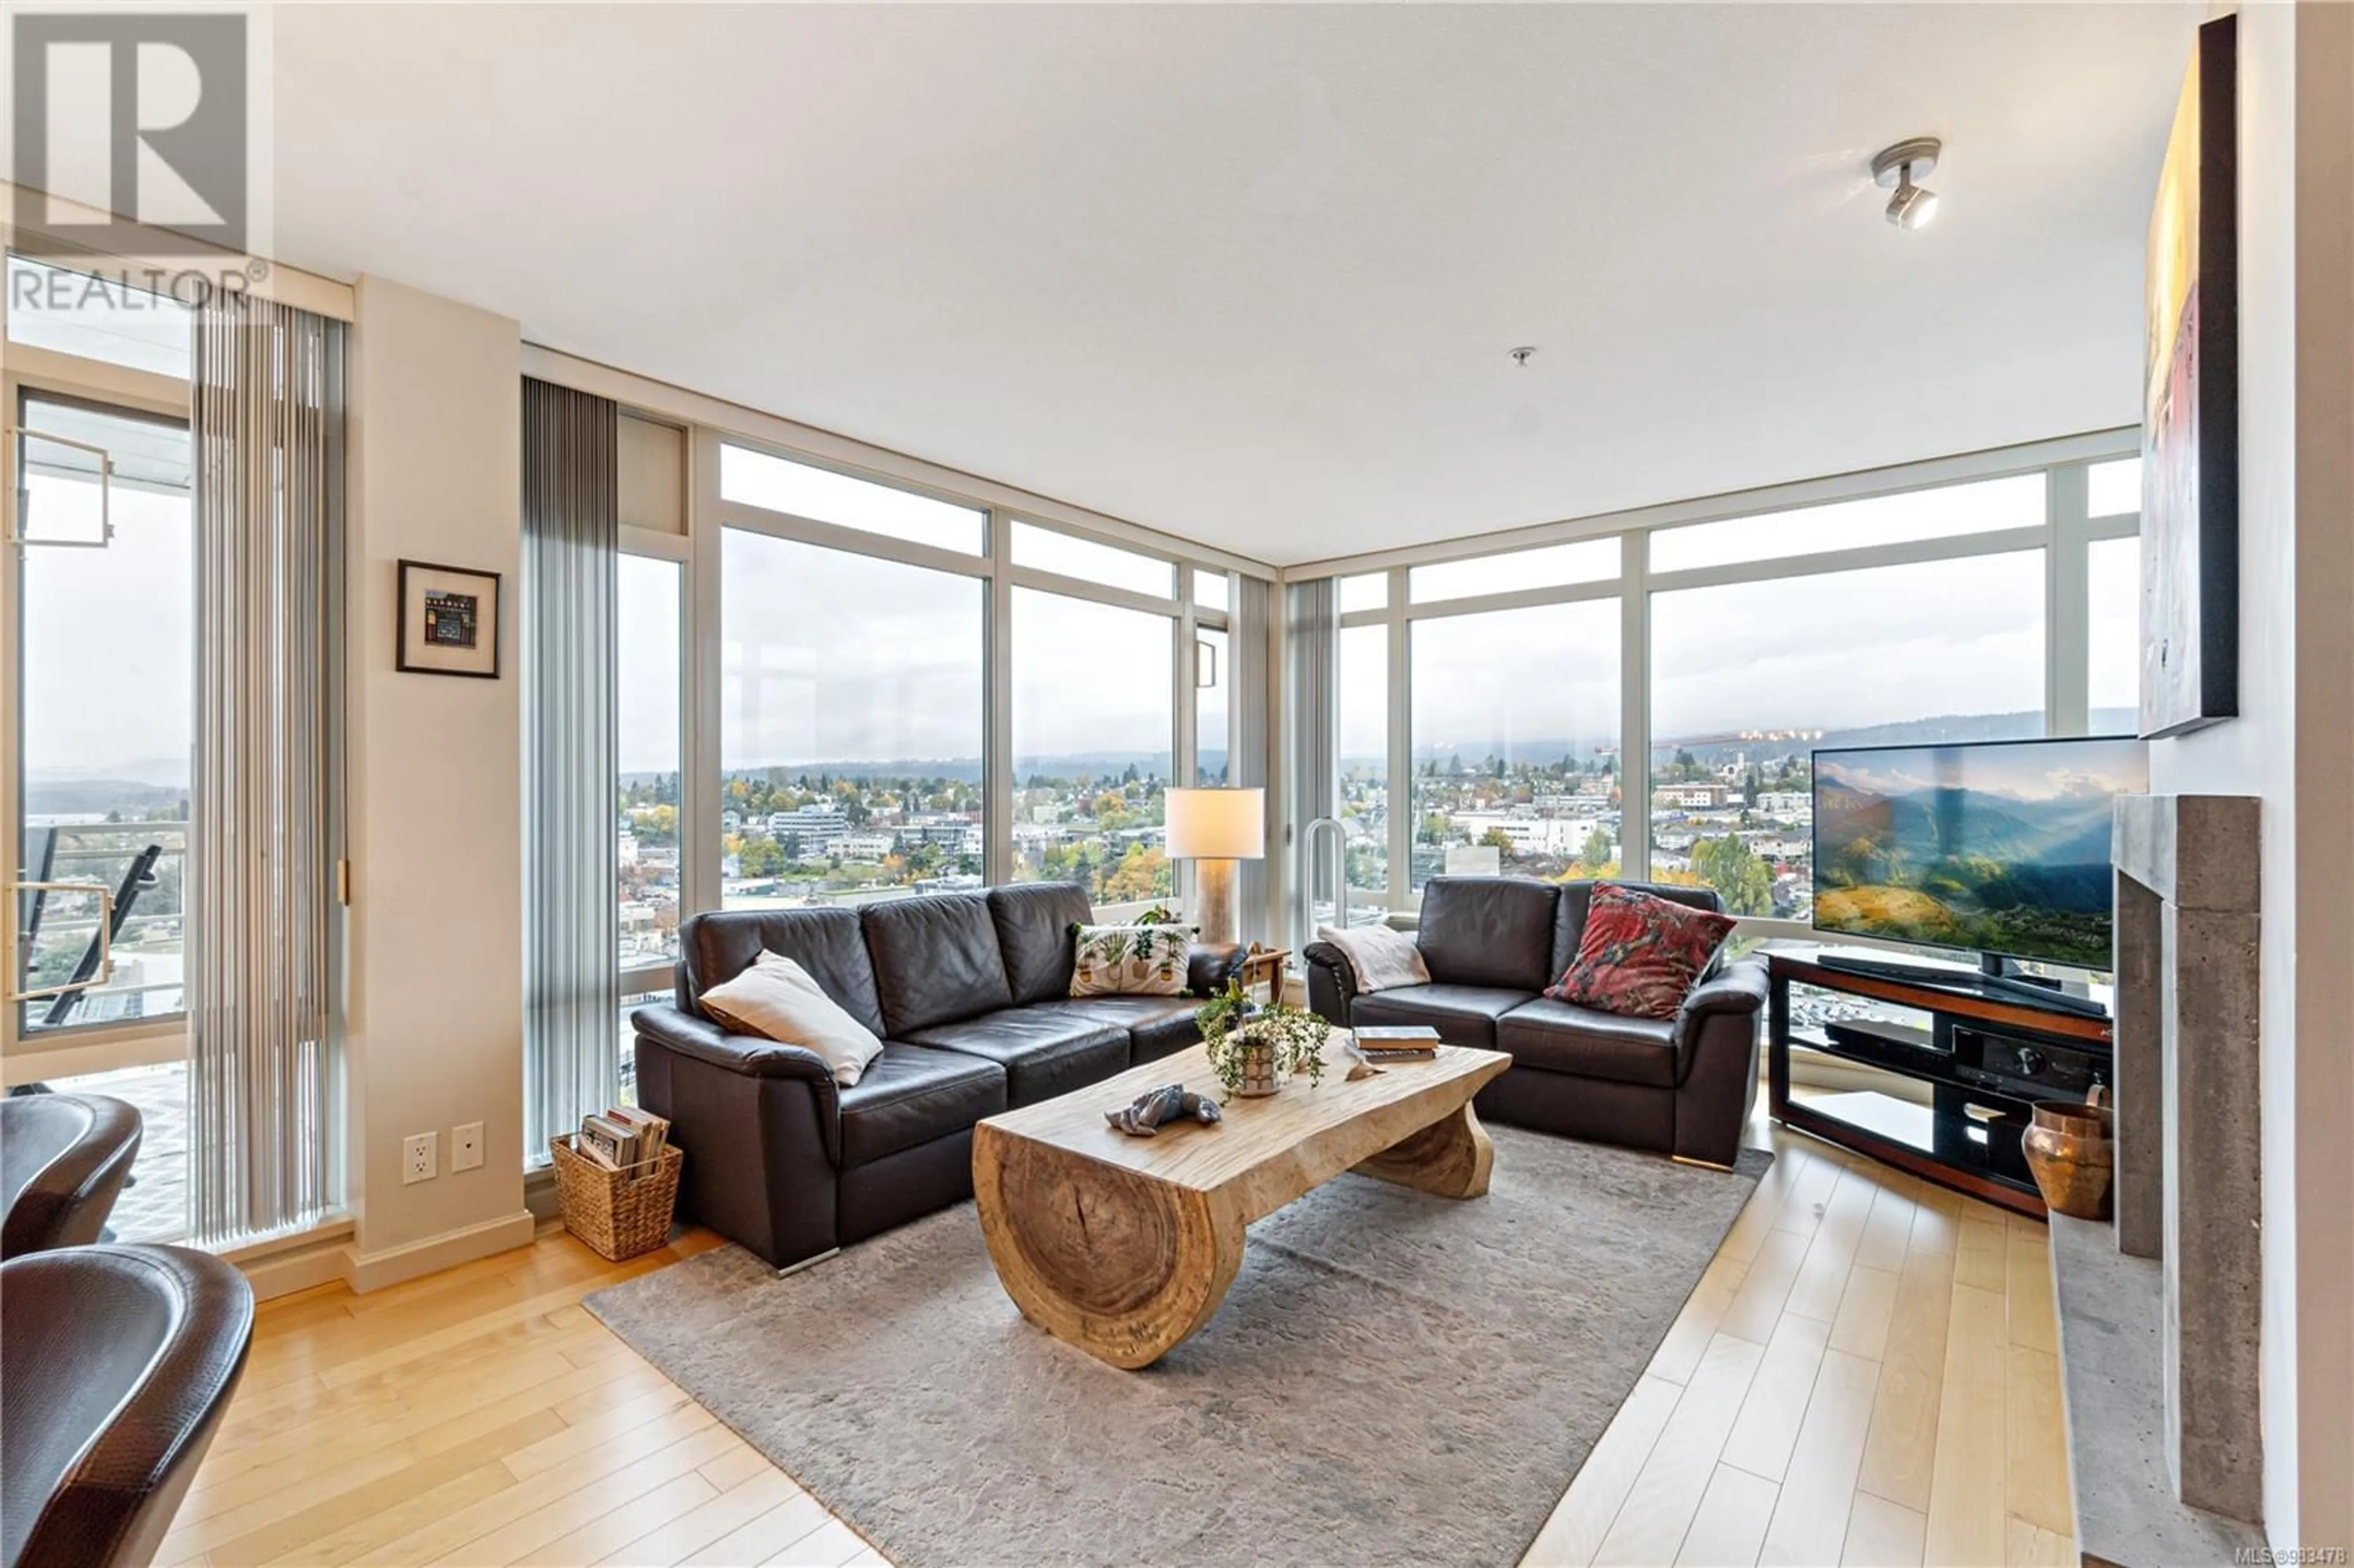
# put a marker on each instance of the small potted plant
(1254, 1052)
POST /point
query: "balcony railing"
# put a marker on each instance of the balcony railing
(150, 935)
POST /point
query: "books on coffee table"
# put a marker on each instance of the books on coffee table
(1390, 1036)
(1399, 1043)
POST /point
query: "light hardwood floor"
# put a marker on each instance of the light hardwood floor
(1866, 1374)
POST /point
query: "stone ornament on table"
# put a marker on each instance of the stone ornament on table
(1155, 1108)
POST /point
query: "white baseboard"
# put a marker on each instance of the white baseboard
(285, 1273)
(281, 1265)
(365, 1272)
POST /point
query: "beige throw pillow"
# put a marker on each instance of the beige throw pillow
(1381, 958)
(776, 999)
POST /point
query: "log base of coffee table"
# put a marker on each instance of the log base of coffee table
(1119, 1265)
(1126, 1246)
(1451, 1158)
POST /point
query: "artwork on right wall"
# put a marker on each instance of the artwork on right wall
(2190, 413)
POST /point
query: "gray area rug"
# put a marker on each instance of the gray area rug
(1395, 1378)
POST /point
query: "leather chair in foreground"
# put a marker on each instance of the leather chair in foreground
(63, 1161)
(116, 1364)
(1682, 1087)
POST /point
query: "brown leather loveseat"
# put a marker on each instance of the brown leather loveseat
(970, 994)
(1492, 943)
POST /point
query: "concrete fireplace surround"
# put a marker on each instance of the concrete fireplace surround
(2160, 1312)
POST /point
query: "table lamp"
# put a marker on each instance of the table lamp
(1214, 829)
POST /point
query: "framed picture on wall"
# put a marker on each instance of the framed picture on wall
(449, 620)
(2190, 419)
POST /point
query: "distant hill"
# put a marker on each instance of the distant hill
(1945, 729)
(1942, 729)
(968, 769)
(97, 797)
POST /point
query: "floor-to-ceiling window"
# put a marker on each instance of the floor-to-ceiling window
(1094, 721)
(1748, 678)
(1645, 702)
(650, 797)
(853, 704)
(97, 717)
(1515, 738)
(1363, 754)
(914, 694)
(841, 684)
(651, 740)
(107, 699)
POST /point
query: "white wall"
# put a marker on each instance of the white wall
(2293, 744)
(435, 969)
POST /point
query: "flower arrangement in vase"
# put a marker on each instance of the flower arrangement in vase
(1254, 1051)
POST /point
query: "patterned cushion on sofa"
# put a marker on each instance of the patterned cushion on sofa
(1131, 960)
(1640, 955)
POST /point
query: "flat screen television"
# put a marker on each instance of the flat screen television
(1999, 848)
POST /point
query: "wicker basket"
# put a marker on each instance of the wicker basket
(620, 1214)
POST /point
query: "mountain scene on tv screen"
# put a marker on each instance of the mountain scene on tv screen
(2006, 852)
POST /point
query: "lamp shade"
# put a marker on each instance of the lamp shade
(1217, 824)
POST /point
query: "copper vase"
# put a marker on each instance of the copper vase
(2074, 1155)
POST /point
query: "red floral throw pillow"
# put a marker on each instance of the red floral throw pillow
(1640, 955)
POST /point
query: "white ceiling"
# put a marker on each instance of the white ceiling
(1249, 273)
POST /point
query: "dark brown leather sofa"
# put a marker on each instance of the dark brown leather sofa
(1492, 943)
(969, 993)
(63, 1161)
(116, 1366)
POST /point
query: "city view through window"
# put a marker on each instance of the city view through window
(1749, 678)
(853, 708)
(649, 604)
(852, 723)
(1094, 721)
(853, 726)
(1515, 755)
(109, 712)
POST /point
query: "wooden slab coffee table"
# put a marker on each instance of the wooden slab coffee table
(1125, 1245)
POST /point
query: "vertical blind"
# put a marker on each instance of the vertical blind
(1313, 641)
(267, 428)
(571, 528)
(1248, 637)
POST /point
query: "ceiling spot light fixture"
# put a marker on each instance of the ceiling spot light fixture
(1521, 355)
(1895, 168)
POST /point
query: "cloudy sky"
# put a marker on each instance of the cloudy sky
(827, 656)
(650, 597)
(1847, 649)
(108, 643)
(834, 657)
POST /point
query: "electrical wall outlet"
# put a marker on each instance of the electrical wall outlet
(466, 1146)
(418, 1157)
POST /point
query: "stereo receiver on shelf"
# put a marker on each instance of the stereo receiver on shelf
(2026, 1069)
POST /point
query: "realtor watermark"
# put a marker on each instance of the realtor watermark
(2288, 1557)
(92, 289)
(135, 135)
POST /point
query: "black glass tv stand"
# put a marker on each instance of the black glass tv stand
(1989, 981)
(1946, 1088)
